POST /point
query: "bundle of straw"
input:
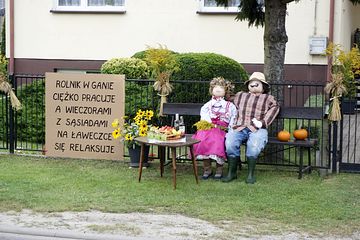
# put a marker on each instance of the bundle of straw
(164, 87)
(335, 88)
(6, 88)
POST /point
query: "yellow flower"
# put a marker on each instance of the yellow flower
(116, 133)
(149, 114)
(140, 113)
(142, 132)
(115, 123)
(138, 121)
(129, 137)
(143, 124)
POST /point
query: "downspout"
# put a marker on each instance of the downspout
(331, 37)
(11, 77)
(333, 156)
(11, 23)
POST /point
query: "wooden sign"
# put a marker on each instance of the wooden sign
(79, 111)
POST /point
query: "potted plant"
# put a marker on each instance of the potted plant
(130, 129)
(346, 65)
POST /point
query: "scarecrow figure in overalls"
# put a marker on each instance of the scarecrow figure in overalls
(256, 111)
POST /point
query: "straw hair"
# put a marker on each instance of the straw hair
(220, 81)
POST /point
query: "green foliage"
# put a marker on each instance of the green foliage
(3, 65)
(142, 54)
(346, 63)
(3, 39)
(139, 96)
(161, 60)
(252, 11)
(133, 68)
(205, 66)
(31, 118)
(315, 101)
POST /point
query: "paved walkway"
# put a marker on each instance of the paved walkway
(94, 225)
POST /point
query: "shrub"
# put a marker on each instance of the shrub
(200, 67)
(133, 68)
(205, 66)
(31, 118)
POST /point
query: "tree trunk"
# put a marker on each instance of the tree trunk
(275, 40)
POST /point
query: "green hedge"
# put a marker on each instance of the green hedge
(133, 68)
(205, 66)
(200, 67)
(31, 118)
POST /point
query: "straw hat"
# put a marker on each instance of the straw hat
(258, 76)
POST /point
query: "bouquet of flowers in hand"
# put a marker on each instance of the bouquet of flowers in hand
(132, 128)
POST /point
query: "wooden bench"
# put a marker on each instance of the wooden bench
(300, 113)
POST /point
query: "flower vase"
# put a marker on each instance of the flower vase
(134, 153)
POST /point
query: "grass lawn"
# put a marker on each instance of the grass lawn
(277, 201)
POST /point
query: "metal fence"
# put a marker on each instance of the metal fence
(24, 131)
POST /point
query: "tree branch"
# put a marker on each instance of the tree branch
(287, 1)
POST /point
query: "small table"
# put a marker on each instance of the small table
(187, 141)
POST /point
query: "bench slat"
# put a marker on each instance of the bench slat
(191, 109)
(299, 143)
(311, 113)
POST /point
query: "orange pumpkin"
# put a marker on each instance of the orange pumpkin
(300, 134)
(283, 136)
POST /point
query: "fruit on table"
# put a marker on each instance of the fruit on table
(300, 134)
(167, 133)
(283, 136)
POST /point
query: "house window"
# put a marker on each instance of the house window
(89, 5)
(210, 6)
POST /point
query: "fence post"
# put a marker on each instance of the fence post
(12, 120)
(334, 147)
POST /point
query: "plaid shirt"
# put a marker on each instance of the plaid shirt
(263, 107)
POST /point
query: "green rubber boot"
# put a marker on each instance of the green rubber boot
(232, 170)
(251, 168)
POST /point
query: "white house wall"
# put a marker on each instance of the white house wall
(40, 34)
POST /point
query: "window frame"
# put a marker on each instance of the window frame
(85, 8)
(220, 9)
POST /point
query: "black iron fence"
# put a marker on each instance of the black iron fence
(24, 131)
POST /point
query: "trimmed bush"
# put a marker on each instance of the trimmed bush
(133, 68)
(31, 118)
(205, 66)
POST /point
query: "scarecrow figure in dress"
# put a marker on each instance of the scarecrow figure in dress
(256, 111)
(217, 114)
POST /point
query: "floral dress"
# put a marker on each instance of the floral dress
(222, 113)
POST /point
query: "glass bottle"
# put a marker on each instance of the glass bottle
(182, 125)
(176, 122)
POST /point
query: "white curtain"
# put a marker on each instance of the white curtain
(212, 3)
(69, 2)
(105, 2)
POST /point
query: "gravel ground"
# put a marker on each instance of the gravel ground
(139, 226)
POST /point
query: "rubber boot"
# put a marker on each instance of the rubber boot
(251, 168)
(219, 171)
(207, 169)
(232, 170)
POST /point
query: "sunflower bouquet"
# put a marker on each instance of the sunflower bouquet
(132, 127)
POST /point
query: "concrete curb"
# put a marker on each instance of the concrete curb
(66, 234)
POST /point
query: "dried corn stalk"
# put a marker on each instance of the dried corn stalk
(335, 89)
(6, 88)
(163, 86)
